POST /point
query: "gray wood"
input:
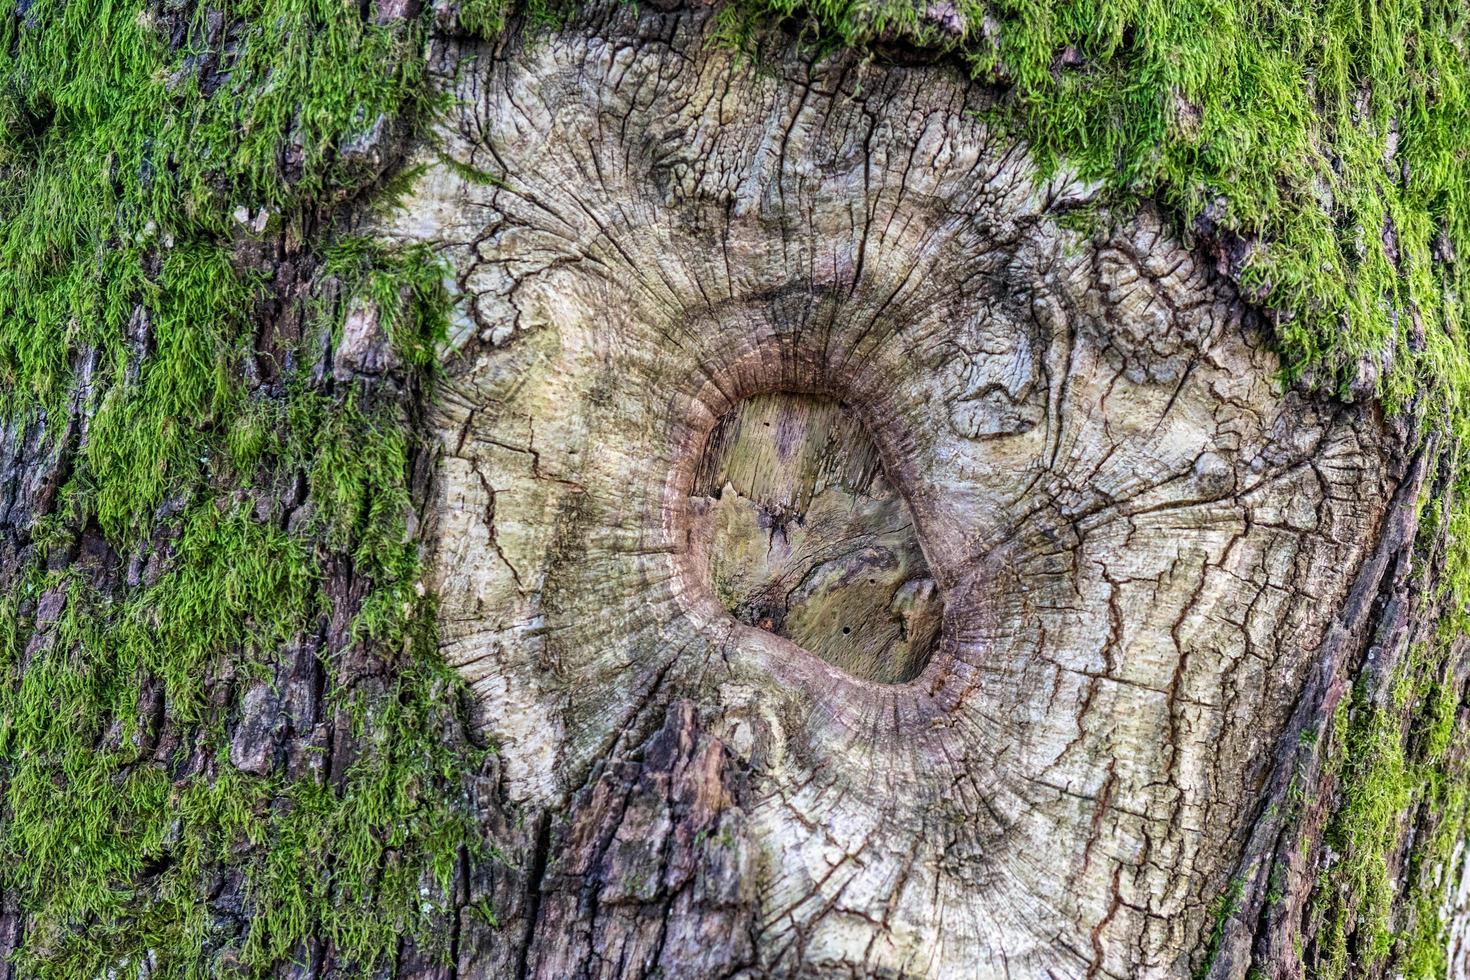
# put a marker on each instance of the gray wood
(1156, 564)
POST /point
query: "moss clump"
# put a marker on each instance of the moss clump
(149, 155)
(1221, 909)
(1402, 774)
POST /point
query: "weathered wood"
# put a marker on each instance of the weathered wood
(807, 539)
(1145, 546)
(870, 560)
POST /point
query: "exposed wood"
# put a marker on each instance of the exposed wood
(1141, 541)
(806, 538)
(869, 560)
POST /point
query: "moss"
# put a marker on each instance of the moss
(1378, 785)
(1401, 767)
(136, 141)
(1222, 909)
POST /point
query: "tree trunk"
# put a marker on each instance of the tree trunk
(868, 557)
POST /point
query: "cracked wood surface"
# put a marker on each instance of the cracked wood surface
(1139, 538)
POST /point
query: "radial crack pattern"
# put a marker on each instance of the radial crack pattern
(1078, 435)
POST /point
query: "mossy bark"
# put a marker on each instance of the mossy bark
(227, 746)
(859, 557)
(228, 793)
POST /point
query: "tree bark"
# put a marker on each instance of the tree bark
(870, 558)
(1159, 572)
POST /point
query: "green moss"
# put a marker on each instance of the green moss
(1378, 784)
(128, 162)
(1401, 768)
(351, 865)
(1222, 909)
(86, 813)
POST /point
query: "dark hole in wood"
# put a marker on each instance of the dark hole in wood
(810, 541)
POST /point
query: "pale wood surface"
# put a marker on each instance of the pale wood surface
(1137, 537)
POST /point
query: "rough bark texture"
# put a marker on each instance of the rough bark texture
(285, 719)
(1157, 566)
(869, 560)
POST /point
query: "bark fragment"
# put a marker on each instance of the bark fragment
(649, 873)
